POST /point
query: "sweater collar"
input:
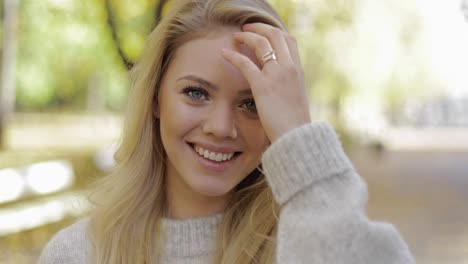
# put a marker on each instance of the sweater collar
(190, 237)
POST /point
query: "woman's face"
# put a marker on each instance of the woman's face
(205, 105)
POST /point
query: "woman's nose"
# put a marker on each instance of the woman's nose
(221, 123)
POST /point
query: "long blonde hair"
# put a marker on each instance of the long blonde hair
(129, 203)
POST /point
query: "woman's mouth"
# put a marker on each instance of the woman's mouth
(215, 161)
(213, 156)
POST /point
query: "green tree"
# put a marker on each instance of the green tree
(62, 47)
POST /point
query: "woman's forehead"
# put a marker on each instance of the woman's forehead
(203, 57)
(213, 42)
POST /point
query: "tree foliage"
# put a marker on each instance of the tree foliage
(62, 45)
(68, 49)
(65, 46)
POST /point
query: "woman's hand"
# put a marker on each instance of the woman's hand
(278, 85)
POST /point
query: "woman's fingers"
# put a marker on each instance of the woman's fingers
(248, 68)
(259, 44)
(275, 36)
(279, 84)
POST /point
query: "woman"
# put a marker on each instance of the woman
(219, 161)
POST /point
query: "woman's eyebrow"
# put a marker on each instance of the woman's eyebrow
(199, 80)
(210, 85)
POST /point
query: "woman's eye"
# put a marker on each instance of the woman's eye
(250, 106)
(196, 94)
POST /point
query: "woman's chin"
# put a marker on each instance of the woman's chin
(213, 191)
(211, 185)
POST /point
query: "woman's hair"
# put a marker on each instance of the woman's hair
(130, 202)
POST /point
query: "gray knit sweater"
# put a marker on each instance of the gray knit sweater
(322, 216)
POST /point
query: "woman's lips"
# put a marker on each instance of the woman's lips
(217, 166)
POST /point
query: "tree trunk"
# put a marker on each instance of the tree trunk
(7, 88)
(111, 21)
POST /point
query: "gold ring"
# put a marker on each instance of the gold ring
(268, 57)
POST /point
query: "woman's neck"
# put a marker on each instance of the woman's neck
(184, 207)
(183, 202)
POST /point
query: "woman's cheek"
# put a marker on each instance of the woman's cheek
(189, 115)
(256, 137)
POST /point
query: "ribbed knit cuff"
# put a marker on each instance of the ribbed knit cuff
(302, 157)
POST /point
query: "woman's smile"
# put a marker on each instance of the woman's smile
(212, 160)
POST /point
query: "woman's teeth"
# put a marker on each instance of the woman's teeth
(215, 156)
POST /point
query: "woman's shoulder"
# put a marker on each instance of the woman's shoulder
(68, 246)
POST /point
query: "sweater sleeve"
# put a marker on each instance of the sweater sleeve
(323, 201)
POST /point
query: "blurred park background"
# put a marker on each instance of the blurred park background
(391, 76)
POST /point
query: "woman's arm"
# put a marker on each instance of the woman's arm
(323, 202)
(323, 218)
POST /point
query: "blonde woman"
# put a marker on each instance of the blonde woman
(220, 162)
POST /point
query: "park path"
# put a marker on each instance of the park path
(425, 195)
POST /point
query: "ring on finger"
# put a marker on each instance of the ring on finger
(270, 55)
